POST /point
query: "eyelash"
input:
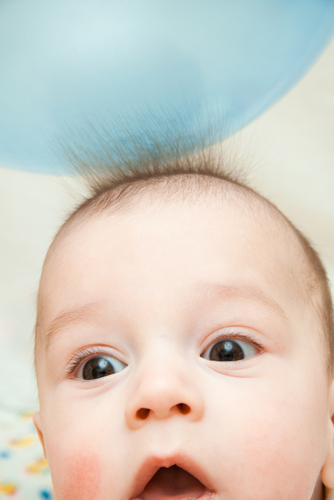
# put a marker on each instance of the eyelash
(84, 355)
(235, 335)
(98, 351)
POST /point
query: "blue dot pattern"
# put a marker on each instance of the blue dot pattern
(24, 472)
(45, 494)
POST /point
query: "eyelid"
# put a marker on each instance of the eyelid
(88, 353)
(233, 333)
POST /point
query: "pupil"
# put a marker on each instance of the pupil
(226, 350)
(97, 368)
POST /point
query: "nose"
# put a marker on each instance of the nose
(161, 392)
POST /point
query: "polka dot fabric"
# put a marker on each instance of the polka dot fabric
(24, 472)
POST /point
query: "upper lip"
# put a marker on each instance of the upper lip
(153, 463)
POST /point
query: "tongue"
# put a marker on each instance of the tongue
(173, 483)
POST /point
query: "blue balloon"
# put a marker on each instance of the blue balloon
(65, 64)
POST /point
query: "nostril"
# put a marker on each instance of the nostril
(142, 413)
(184, 408)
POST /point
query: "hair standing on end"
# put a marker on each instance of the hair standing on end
(115, 172)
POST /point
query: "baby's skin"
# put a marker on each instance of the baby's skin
(179, 357)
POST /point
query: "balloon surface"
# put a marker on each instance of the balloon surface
(66, 64)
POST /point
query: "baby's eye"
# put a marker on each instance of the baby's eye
(100, 366)
(229, 350)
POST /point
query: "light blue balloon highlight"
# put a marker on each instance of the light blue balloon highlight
(66, 63)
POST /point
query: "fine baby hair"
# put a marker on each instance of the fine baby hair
(115, 172)
(184, 338)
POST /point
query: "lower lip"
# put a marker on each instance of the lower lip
(205, 496)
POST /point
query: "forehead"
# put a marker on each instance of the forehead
(169, 253)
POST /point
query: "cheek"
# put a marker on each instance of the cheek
(80, 479)
(271, 445)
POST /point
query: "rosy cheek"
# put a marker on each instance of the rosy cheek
(81, 478)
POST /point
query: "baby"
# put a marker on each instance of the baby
(184, 343)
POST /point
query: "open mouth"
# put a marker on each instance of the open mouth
(174, 483)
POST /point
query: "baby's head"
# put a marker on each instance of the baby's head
(184, 345)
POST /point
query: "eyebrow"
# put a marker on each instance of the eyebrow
(238, 290)
(67, 318)
(244, 291)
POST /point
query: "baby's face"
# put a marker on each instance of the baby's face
(177, 336)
